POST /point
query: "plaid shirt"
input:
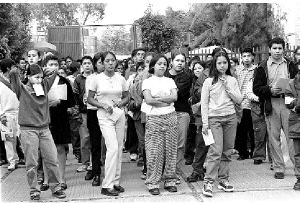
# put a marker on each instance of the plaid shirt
(244, 75)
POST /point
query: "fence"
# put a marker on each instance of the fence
(261, 53)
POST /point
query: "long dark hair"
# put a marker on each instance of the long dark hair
(214, 73)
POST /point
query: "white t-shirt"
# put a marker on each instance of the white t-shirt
(158, 86)
(88, 82)
(108, 89)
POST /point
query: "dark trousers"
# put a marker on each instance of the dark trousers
(244, 132)
(75, 137)
(132, 141)
(95, 137)
(2, 150)
(19, 149)
(190, 144)
(201, 152)
(260, 132)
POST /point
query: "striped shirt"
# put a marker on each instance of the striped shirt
(244, 75)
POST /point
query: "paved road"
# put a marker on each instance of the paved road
(253, 183)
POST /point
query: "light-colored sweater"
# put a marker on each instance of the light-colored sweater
(216, 101)
(9, 102)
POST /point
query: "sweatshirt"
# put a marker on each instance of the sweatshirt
(33, 110)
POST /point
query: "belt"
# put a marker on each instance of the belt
(278, 96)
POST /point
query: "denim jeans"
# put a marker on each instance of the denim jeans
(32, 140)
(201, 152)
(219, 154)
(183, 120)
(85, 144)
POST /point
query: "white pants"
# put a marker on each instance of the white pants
(11, 152)
(11, 142)
(113, 133)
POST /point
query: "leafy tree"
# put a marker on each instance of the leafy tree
(14, 32)
(62, 14)
(157, 36)
(235, 25)
(116, 40)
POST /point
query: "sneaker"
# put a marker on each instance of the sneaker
(170, 188)
(279, 175)
(89, 175)
(12, 166)
(143, 176)
(225, 186)
(297, 185)
(59, 194)
(140, 163)
(257, 162)
(189, 161)
(35, 196)
(44, 187)
(21, 162)
(133, 157)
(81, 168)
(207, 190)
(154, 191)
(178, 181)
(89, 168)
(194, 177)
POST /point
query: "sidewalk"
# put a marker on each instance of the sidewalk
(253, 183)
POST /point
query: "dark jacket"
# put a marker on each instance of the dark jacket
(183, 82)
(293, 90)
(196, 94)
(79, 90)
(59, 125)
(261, 86)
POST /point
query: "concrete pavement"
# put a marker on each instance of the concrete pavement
(253, 183)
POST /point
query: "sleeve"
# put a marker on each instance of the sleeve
(145, 85)
(204, 101)
(290, 95)
(184, 86)
(92, 85)
(198, 88)
(260, 86)
(15, 82)
(172, 84)
(249, 93)
(70, 95)
(76, 86)
(235, 94)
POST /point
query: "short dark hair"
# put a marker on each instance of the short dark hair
(87, 57)
(139, 64)
(74, 66)
(103, 56)
(276, 40)
(50, 57)
(202, 63)
(5, 64)
(135, 51)
(69, 57)
(19, 59)
(176, 52)
(154, 61)
(247, 50)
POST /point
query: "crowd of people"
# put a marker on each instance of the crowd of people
(165, 112)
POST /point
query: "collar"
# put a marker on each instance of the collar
(271, 61)
(252, 67)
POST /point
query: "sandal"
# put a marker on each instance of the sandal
(35, 196)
